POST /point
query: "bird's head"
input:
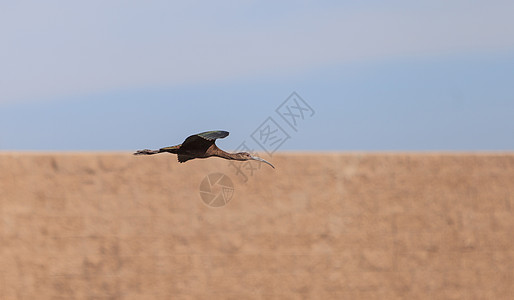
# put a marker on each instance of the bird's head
(248, 156)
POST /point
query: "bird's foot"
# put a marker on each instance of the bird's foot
(146, 152)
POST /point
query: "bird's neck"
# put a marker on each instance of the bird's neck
(226, 155)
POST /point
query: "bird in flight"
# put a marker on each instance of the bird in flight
(202, 145)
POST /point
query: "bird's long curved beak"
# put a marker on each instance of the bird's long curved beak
(260, 159)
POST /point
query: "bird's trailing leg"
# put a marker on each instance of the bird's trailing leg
(146, 152)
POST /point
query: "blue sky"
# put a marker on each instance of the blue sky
(124, 75)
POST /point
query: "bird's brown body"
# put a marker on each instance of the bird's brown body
(202, 145)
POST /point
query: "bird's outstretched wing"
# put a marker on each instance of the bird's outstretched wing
(202, 141)
(199, 143)
(213, 135)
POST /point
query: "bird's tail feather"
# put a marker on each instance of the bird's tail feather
(146, 152)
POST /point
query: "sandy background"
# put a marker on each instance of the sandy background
(326, 226)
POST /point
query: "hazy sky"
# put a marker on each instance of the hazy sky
(378, 75)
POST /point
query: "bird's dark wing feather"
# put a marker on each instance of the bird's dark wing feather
(213, 135)
(202, 141)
